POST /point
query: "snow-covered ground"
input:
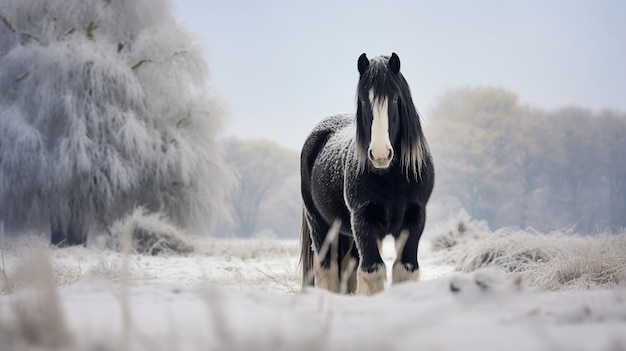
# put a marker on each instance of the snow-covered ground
(480, 290)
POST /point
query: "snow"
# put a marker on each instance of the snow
(236, 294)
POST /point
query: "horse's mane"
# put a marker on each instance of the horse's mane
(414, 149)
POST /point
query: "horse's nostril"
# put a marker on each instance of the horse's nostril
(380, 154)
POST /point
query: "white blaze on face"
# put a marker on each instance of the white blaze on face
(380, 151)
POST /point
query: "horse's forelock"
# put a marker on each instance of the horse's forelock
(379, 79)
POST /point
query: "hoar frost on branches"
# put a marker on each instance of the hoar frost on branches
(103, 107)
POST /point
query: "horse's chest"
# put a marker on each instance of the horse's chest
(389, 191)
(383, 202)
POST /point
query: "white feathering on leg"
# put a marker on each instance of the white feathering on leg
(371, 283)
(401, 274)
(327, 278)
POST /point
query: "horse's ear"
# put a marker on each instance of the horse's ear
(363, 63)
(394, 63)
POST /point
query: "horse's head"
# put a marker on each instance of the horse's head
(387, 121)
(380, 98)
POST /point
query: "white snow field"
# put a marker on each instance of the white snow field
(480, 290)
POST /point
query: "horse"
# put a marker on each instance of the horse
(365, 176)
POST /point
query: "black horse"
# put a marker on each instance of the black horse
(364, 177)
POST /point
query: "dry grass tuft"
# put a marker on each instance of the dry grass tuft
(599, 263)
(18, 275)
(553, 261)
(38, 318)
(508, 250)
(151, 234)
(460, 229)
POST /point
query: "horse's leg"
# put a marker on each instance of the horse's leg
(371, 274)
(324, 255)
(406, 267)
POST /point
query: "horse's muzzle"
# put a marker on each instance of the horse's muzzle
(380, 158)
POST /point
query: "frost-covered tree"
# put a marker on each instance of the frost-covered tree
(103, 107)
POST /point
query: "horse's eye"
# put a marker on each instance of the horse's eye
(395, 99)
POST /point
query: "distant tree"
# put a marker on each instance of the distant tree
(281, 212)
(103, 108)
(613, 126)
(265, 173)
(578, 186)
(469, 133)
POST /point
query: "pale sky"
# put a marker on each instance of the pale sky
(281, 66)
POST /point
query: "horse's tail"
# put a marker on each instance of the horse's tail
(306, 253)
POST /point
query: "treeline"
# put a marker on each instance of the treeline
(519, 166)
(265, 198)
